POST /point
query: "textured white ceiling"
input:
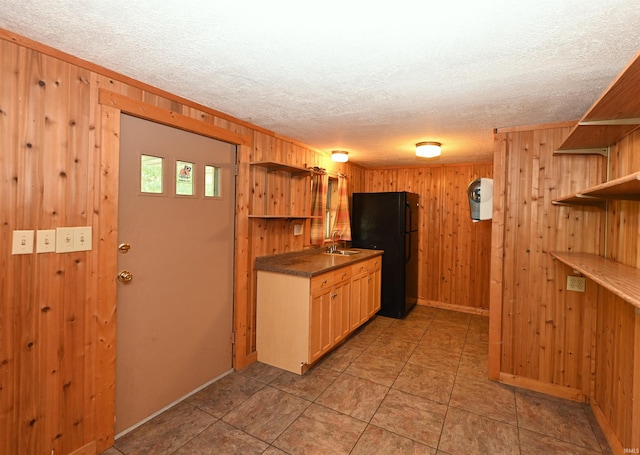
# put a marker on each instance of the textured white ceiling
(370, 77)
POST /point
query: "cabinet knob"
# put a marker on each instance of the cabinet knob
(324, 281)
(333, 296)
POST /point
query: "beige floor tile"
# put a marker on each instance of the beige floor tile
(353, 396)
(473, 366)
(465, 432)
(425, 382)
(320, 430)
(410, 416)
(393, 349)
(534, 443)
(167, 432)
(404, 332)
(376, 440)
(477, 347)
(267, 413)
(560, 419)
(490, 399)
(261, 372)
(223, 439)
(222, 396)
(360, 341)
(340, 358)
(380, 370)
(445, 340)
(436, 359)
(274, 451)
(309, 385)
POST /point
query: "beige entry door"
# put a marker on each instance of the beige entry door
(176, 244)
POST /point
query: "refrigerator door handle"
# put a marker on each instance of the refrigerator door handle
(407, 258)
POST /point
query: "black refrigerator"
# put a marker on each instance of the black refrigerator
(389, 222)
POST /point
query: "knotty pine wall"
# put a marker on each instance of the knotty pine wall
(616, 381)
(544, 328)
(573, 345)
(454, 251)
(59, 147)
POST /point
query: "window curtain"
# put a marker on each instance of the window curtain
(342, 221)
(318, 198)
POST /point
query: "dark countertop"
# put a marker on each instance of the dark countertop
(310, 262)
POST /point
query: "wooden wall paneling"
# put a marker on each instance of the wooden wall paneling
(8, 202)
(433, 227)
(614, 385)
(543, 326)
(454, 252)
(105, 220)
(497, 256)
(635, 398)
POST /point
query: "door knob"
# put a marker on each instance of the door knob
(124, 248)
(125, 276)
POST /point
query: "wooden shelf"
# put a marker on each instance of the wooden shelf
(284, 217)
(625, 188)
(620, 279)
(614, 115)
(273, 166)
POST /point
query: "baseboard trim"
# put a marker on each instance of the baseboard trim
(452, 307)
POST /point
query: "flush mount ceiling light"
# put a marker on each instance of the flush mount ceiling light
(428, 149)
(340, 156)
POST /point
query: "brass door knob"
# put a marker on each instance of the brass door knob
(124, 248)
(125, 276)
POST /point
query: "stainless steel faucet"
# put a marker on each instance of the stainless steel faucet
(334, 248)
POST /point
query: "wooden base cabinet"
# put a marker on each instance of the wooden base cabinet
(300, 319)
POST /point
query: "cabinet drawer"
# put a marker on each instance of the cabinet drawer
(326, 280)
(368, 266)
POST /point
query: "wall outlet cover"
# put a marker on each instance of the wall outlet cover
(576, 283)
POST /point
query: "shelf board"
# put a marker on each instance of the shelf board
(622, 280)
(283, 217)
(273, 166)
(579, 199)
(613, 115)
(625, 188)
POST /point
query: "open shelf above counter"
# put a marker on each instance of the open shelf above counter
(625, 188)
(273, 166)
(622, 280)
(614, 115)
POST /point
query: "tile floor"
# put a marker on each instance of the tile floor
(415, 386)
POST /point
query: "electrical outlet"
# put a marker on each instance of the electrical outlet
(46, 241)
(297, 229)
(576, 283)
(22, 242)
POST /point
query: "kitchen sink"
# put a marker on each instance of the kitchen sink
(343, 252)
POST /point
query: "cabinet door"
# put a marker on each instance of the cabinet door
(340, 298)
(358, 301)
(373, 293)
(320, 323)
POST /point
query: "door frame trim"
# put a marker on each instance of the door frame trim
(112, 105)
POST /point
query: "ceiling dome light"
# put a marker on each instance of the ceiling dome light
(340, 156)
(428, 149)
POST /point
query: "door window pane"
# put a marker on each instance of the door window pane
(211, 181)
(184, 178)
(151, 174)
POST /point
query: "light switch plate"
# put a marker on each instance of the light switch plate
(297, 229)
(46, 241)
(82, 238)
(64, 239)
(22, 242)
